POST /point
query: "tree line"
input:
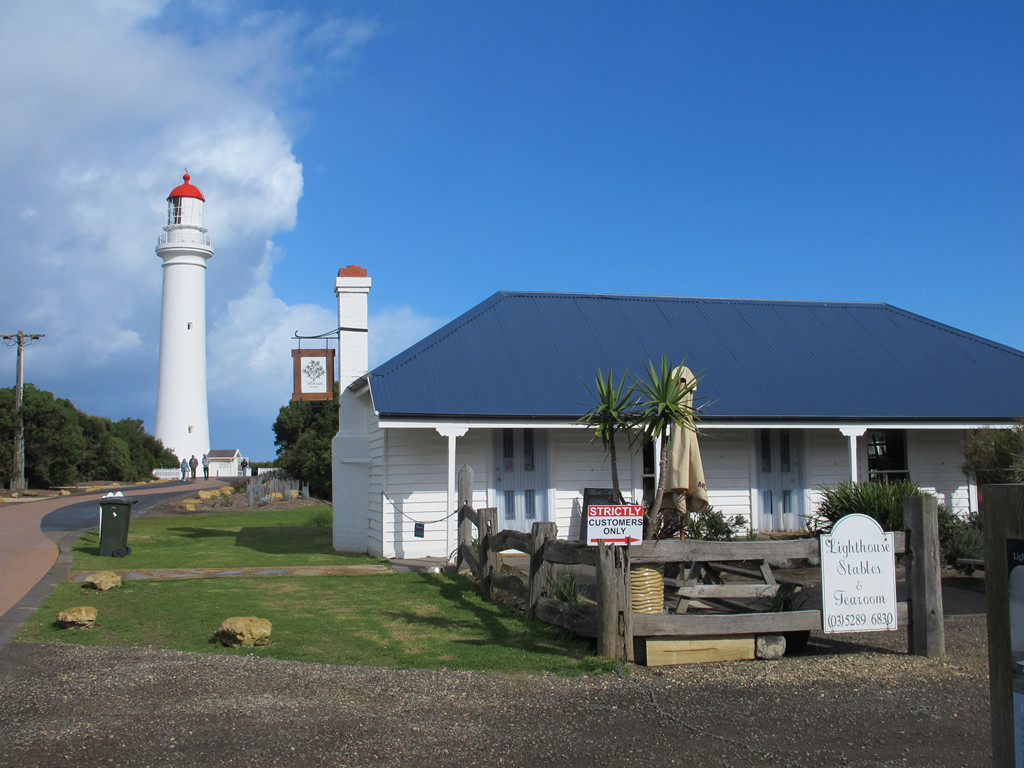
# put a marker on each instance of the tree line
(302, 433)
(64, 446)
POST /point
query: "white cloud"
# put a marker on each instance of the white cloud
(105, 103)
(250, 345)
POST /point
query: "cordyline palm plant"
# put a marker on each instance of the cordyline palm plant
(612, 414)
(660, 406)
(643, 411)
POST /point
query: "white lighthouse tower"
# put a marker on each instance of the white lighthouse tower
(182, 420)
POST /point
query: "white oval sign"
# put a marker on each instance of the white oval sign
(858, 577)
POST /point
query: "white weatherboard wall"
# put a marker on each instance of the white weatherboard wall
(828, 462)
(408, 479)
(935, 458)
(579, 461)
(415, 490)
(726, 455)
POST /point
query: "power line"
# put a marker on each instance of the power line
(22, 340)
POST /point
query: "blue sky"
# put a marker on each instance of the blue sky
(849, 151)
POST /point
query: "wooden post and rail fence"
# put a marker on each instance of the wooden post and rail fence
(612, 620)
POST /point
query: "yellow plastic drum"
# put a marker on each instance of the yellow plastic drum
(647, 589)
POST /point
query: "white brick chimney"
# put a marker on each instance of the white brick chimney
(350, 448)
(351, 288)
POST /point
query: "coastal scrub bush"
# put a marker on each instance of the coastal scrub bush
(958, 537)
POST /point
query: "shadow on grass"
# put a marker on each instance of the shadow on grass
(270, 540)
(491, 618)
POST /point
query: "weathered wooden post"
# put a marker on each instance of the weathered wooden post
(465, 525)
(540, 571)
(488, 554)
(1002, 511)
(926, 631)
(614, 603)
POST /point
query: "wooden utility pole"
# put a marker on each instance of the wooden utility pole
(19, 338)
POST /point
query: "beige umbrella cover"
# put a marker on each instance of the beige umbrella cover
(685, 479)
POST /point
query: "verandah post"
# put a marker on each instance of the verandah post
(540, 571)
(925, 630)
(614, 603)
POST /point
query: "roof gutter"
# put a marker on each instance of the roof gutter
(418, 421)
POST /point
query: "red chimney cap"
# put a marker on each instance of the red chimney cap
(186, 190)
(352, 271)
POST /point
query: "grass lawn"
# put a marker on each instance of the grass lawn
(394, 620)
(397, 620)
(257, 539)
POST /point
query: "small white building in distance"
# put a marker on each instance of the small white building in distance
(225, 462)
(182, 420)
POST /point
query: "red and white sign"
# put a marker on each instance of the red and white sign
(620, 525)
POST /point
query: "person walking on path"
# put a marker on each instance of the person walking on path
(193, 464)
(206, 467)
(184, 469)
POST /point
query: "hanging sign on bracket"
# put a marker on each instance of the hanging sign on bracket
(313, 374)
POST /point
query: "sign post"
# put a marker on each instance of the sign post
(858, 577)
(1003, 512)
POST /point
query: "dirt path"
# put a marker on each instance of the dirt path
(855, 701)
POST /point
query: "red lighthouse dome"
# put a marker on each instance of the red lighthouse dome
(186, 190)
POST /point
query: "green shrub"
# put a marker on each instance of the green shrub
(994, 455)
(303, 433)
(709, 525)
(712, 525)
(883, 502)
(564, 586)
(960, 537)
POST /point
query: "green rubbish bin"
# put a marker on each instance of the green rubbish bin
(115, 514)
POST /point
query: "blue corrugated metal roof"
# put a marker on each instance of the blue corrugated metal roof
(533, 355)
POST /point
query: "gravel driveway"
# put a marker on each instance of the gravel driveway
(850, 700)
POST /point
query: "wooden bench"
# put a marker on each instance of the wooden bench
(703, 581)
(969, 565)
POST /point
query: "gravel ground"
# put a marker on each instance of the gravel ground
(849, 700)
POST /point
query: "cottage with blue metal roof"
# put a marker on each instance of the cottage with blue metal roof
(795, 395)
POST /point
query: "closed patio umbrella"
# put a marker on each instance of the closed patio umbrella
(685, 478)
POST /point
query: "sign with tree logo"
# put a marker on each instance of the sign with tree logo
(312, 374)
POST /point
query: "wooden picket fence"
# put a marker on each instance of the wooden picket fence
(263, 488)
(613, 622)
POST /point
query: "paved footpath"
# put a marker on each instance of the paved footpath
(27, 552)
